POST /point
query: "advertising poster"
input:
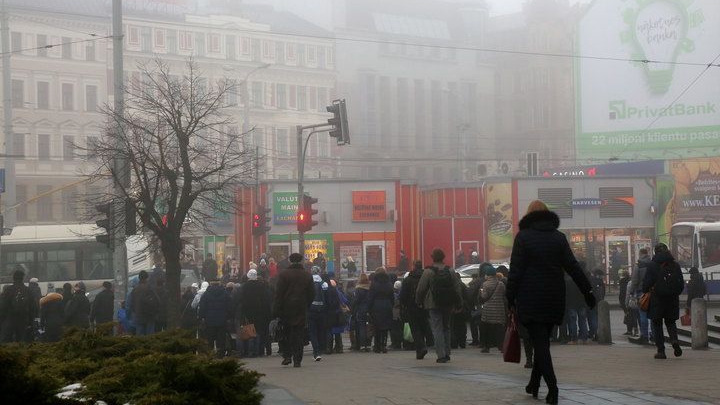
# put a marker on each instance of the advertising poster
(629, 102)
(499, 215)
(285, 208)
(368, 206)
(664, 190)
(697, 189)
(350, 249)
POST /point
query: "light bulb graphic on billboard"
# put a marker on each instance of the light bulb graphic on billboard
(641, 98)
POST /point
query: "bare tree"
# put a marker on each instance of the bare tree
(183, 162)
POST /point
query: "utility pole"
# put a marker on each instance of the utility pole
(301, 191)
(120, 166)
(256, 253)
(9, 216)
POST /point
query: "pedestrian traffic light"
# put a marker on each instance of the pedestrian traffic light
(306, 220)
(261, 219)
(107, 223)
(339, 121)
(130, 218)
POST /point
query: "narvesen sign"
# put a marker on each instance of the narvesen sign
(587, 202)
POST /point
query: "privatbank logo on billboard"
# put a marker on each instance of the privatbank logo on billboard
(658, 30)
(619, 110)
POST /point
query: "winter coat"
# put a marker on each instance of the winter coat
(695, 288)
(293, 294)
(574, 299)
(188, 315)
(598, 287)
(214, 308)
(341, 319)
(255, 302)
(424, 294)
(17, 315)
(380, 302)
(209, 269)
(102, 307)
(664, 306)
(493, 297)
(360, 303)
(403, 265)
(77, 311)
(52, 315)
(142, 311)
(622, 293)
(636, 280)
(408, 307)
(36, 294)
(540, 257)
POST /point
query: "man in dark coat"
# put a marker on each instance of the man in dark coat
(415, 315)
(209, 268)
(102, 308)
(214, 312)
(629, 318)
(696, 287)
(145, 306)
(403, 264)
(17, 309)
(380, 306)
(665, 278)
(77, 311)
(597, 281)
(293, 295)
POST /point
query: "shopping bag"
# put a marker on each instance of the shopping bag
(644, 301)
(407, 333)
(511, 344)
(686, 320)
(247, 332)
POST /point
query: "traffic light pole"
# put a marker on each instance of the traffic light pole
(301, 151)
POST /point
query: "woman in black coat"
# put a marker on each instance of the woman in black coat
(536, 288)
(380, 304)
(77, 311)
(696, 287)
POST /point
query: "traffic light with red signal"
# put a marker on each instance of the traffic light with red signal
(260, 221)
(305, 218)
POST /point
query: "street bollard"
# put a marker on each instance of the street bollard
(603, 331)
(698, 310)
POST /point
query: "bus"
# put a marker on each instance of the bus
(59, 254)
(697, 244)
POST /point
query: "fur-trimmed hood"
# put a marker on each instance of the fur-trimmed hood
(540, 220)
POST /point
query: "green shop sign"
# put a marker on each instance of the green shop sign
(285, 207)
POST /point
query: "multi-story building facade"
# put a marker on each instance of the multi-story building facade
(62, 76)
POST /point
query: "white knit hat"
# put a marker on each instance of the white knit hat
(252, 274)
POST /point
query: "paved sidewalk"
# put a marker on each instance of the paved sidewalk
(588, 374)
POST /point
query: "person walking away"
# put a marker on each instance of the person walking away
(575, 313)
(209, 268)
(415, 315)
(101, 310)
(317, 314)
(597, 280)
(35, 290)
(396, 330)
(256, 307)
(439, 292)
(380, 305)
(146, 304)
(359, 310)
(332, 308)
(473, 298)
(695, 288)
(458, 320)
(493, 317)
(337, 319)
(635, 288)
(293, 295)
(629, 317)
(214, 312)
(536, 287)
(664, 280)
(403, 264)
(17, 309)
(52, 314)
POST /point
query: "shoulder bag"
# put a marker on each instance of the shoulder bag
(644, 300)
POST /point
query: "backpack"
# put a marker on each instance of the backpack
(443, 287)
(318, 302)
(666, 283)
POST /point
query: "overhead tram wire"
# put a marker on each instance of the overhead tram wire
(649, 127)
(35, 48)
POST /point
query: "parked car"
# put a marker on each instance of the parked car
(467, 271)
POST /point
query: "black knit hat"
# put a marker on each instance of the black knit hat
(296, 258)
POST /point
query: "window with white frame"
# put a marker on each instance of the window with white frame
(282, 142)
(91, 98)
(43, 144)
(68, 97)
(312, 98)
(133, 35)
(214, 43)
(18, 93)
(281, 92)
(245, 46)
(290, 52)
(292, 98)
(43, 95)
(186, 40)
(311, 54)
(268, 49)
(330, 55)
(68, 147)
(159, 35)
